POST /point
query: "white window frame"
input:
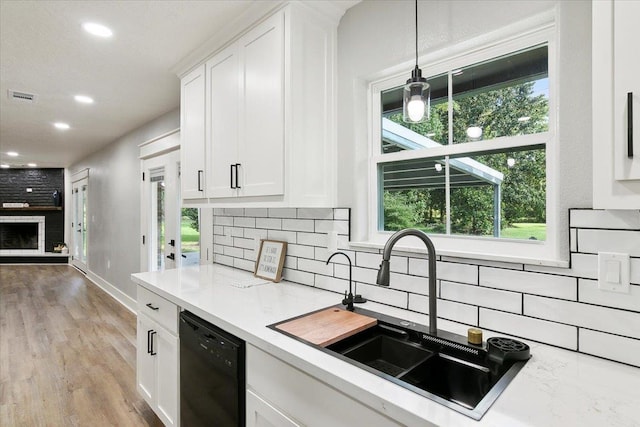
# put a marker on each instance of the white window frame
(470, 53)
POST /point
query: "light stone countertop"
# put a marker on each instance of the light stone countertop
(555, 388)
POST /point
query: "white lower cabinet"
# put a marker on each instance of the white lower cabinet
(157, 371)
(279, 395)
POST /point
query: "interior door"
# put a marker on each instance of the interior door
(161, 199)
(80, 192)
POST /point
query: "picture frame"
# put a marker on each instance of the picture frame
(270, 260)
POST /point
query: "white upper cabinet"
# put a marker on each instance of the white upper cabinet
(616, 105)
(192, 134)
(269, 114)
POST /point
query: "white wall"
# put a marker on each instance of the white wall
(114, 205)
(374, 36)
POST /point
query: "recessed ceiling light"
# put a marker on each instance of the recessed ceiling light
(61, 125)
(83, 99)
(4, 166)
(12, 154)
(97, 29)
(31, 165)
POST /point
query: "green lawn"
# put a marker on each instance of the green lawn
(190, 237)
(525, 230)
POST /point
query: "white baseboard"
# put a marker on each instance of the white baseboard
(115, 293)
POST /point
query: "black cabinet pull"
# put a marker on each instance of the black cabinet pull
(231, 176)
(200, 172)
(630, 125)
(153, 353)
(149, 340)
(152, 307)
(237, 166)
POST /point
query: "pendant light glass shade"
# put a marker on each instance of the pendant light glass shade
(416, 94)
(416, 98)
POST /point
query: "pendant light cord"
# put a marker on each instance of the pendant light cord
(416, 33)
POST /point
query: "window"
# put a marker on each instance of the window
(476, 175)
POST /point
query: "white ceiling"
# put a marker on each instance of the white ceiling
(45, 51)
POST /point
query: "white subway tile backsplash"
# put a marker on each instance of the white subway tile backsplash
(314, 266)
(249, 222)
(397, 264)
(463, 313)
(590, 293)
(341, 213)
(269, 223)
(603, 319)
(383, 294)
(530, 283)
(297, 224)
(582, 265)
(223, 259)
(454, 272)
(236, 231)
(298, 276)
(527, 327)
(594, 241)
(528, 301)
(291, 262)
(256, 212)
(233, 252)
(312, 239)
(234, 211)
(300, 251)
(282, 212)
(255, 233)
(332, 284)
(286, 236)
(609, 346)
(362, 275)
(616, 219)
(244, 264)
(243, 243)
(315, 213)
(327, 226)
(223, 220)
(483, 297)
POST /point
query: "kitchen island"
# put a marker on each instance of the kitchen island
(555, 388)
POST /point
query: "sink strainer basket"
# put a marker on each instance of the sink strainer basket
(502, 349)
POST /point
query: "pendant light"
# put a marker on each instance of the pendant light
(415, 99)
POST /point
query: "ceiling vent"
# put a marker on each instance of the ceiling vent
(21, 96)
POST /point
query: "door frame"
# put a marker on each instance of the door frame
(157, 146)
(78, 179)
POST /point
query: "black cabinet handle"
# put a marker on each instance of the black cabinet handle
(200, 172)
(149, 340)
(630, 125)
(231, 176)
(237, 167)
(152, 307)
(153, 353)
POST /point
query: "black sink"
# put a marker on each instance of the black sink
(444, 368)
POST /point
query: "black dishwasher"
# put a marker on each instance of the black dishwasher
(212, 369)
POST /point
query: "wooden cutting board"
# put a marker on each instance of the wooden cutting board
(327, 326)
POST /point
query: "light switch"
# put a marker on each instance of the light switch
(613, 272)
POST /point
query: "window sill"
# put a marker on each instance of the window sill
(411, 250)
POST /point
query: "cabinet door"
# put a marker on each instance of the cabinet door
(261, 148)
(223, 91)
(262, 414)
(145, 369)
(166, 348)
(192, 134)
(626, 65)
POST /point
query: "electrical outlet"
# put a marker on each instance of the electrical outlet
(613, 272)
(29, 190)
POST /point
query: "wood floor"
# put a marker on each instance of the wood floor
(67, 352)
